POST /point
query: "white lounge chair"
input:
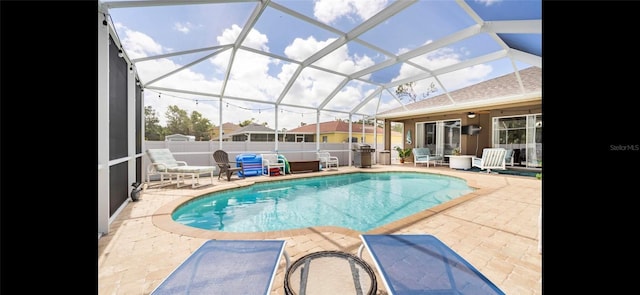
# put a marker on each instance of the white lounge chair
(327, 160)
(164, 164)
(492, 158)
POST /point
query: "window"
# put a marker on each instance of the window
(512, 131)
(324, 138)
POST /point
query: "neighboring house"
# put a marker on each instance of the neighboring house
(251, 132)
(502, 112)
(179, 137)
(338, 131)
(227, 128)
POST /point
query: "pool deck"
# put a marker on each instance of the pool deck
(495, 228)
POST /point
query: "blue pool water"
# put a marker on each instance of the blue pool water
(359, 201)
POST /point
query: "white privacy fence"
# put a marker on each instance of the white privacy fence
(200, 153)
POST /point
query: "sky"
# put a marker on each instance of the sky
(256, 81)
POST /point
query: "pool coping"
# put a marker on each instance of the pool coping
(162, 219)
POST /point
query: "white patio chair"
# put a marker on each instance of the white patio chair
(327, 160)
(492, 158)
(271, 161)
(423, 156)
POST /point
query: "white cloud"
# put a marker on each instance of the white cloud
(465, 77)
(301, 49)
(138, 44)
(253, 76)
(313, 86)
(329, 11)
(254, 39)
(249, 76)
(368, 8)
(340, 61)
(440, 58)
(183, 28)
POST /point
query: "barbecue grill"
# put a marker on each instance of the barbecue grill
(362, 155)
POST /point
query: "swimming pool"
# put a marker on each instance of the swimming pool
(358, 201)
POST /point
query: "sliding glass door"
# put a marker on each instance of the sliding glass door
(441, 137)
(523, 134)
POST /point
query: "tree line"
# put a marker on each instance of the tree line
(178, 122)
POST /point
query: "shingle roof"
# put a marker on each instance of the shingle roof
(253, 128)
(503, 86)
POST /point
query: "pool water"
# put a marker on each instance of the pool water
(359, 201)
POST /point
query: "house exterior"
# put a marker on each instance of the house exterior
(227, 128)
(502, 112)
(251, 132)
(338, 131)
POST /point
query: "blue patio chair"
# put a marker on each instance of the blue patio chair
(227, 267)
(422, 264)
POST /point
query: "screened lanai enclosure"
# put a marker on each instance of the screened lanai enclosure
(286, 64)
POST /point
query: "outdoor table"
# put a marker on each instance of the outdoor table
(460, 161)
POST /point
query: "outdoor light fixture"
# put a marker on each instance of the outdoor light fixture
(471, 115)
(120, 54)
